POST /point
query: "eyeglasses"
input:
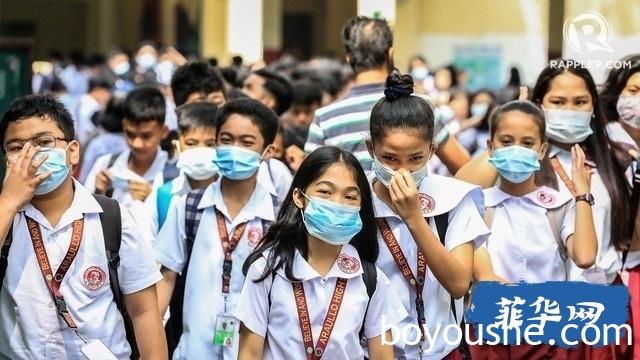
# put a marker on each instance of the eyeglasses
(45, 142)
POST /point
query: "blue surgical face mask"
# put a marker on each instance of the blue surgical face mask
(384, 174)
(515, 163)
(568, 126)
(237, 163)
(479, 109)
(333, 223)
(57, 164)
(419, 72)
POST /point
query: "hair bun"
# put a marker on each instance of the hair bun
(398, 86)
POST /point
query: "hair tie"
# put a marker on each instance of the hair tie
(393, 93)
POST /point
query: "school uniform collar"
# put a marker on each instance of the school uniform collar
(562, 153)
(544, 197)
(348, 265)
(157, 166)
(259, 204)
(83, 203)
(180, 183)
(265, 178)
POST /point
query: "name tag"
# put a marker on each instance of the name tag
(225, 330)
(96, 350)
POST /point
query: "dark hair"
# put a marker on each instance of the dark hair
(537, 115)
(420, 58)
(236, 93)
(145, 104)
(263, 117)
(194, 115)
(514, 77)
(399, 110)
(453, 73)
(484, 124)
(367, 42)
(279, 87)
(288, 233)
(307, 93)
(194, 77)
(40, 106)
(597, 147)
(615, 83)
(100, 82)
(111, 118)
(230, 75)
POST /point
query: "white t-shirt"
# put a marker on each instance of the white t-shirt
(280, 326)
(522, 245)
(438, 195)
(203, 299)
(30, 326)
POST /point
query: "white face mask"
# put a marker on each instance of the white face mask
(568, 126)
(384, 174)
(197, 163)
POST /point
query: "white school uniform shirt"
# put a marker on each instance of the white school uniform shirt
(153, 176)
(267, 176)
(608, 258)
(465, 204)
(30, 326)
(86, 129)
(617, 133)
(280, 325)
(522, 245)
(203, 299)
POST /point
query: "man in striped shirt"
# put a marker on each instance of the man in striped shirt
(345, 122)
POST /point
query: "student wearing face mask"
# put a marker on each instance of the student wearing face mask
(46, 214)
(235, 211)
(567, 94)
(321, 247)
(429, 225)
(534, 229)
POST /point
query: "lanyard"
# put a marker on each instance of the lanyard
(54, 282)
(401, 261)
(329, 320)
(557, 167)
(228, 246)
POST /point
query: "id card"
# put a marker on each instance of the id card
(225, 329)
(96, 350)
(596, 276)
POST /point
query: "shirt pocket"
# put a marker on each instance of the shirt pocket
(90, 279)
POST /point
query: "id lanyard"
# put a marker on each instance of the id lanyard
(228, 245)
(54, 281)
(329, 320)
(401, 261)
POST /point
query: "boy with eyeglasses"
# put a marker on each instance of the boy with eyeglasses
(55, 298)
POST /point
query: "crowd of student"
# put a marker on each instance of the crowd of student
(290, 214)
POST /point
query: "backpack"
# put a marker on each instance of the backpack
(555, 218)
(193, 215)
(163, 201)
(111, 221)
(169, 172)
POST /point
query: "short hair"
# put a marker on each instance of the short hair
(42, 106)
(307, 93)
(111, 118)
(279, 87)
(195, 115)
(264, 118)
(100, 82)
(367, 42)
(193, 77)
(145, 104)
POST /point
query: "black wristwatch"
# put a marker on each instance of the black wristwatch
(586, 197)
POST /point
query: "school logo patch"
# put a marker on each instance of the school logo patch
(427, 204)
(255, 236)
(94, 278)
(348, 264)
(546, 198)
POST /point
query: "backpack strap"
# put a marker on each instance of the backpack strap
(370, 278)
(112, 160)
(442, 224)
(111, 221)
(163, 200)
(4, 255)
(556, 217)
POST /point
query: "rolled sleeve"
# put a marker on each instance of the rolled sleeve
(170, 247)
(253, 304)
(137, 270)
(384, 304)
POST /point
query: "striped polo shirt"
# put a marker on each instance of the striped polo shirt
(345, 123)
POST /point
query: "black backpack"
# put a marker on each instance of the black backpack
(111, 221)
